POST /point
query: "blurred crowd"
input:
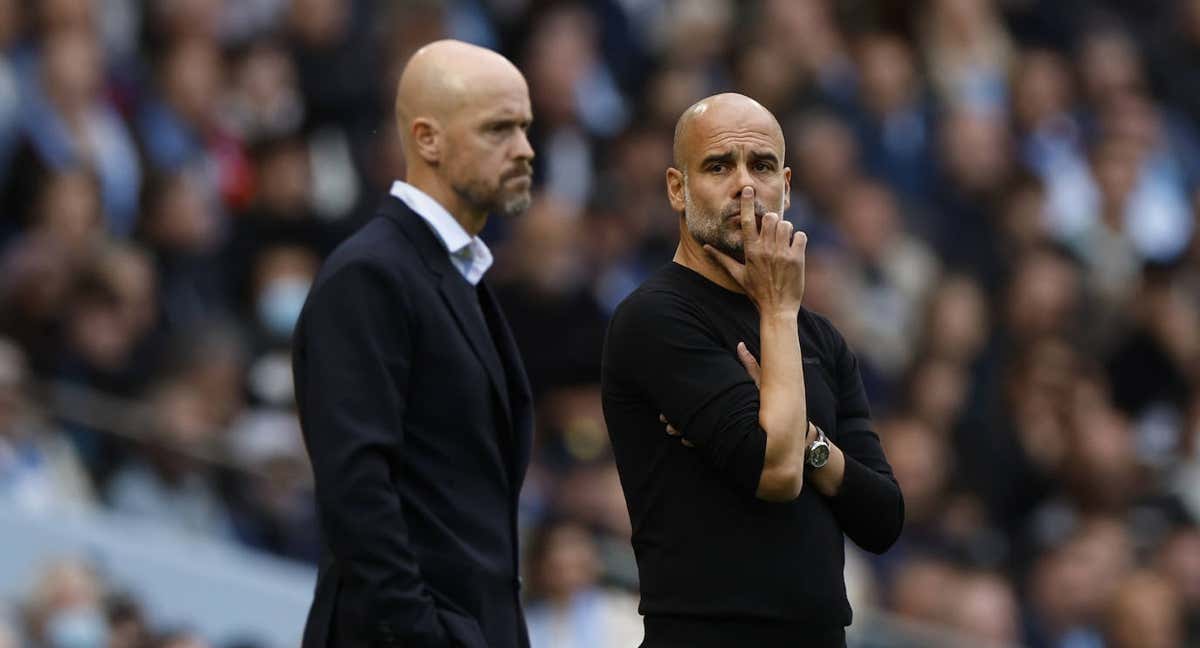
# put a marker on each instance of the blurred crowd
(1002, 202)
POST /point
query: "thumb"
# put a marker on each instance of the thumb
(749, 363)
(731, 265)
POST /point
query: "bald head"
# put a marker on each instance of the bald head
(463, 112)
(446, 76)
(720, 113)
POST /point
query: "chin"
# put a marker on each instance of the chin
(516, 205)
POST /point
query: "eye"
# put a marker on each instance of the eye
(716, 167)
(763, 167)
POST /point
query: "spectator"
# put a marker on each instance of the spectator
(39, 468)
(184, 230)
(67, 124)
(170, 482)
(1178, 560)
(968, 53)
(568, 608)
(66, 607)
(274, 507)
(181, 128)
(985, 607)
(1145, 613)
(11, 15)
(888, 281)
(894, 120)
(826, 163)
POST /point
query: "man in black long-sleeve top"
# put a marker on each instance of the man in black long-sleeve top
(738, 530)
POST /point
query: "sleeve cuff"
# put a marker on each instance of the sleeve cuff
(857, 482)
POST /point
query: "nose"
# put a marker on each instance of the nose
(524, 148)
(742, 178)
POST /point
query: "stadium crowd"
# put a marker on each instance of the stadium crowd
(1002, 200)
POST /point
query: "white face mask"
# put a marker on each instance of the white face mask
(79, 627)
(280, 303)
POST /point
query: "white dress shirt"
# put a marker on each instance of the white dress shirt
(469, 254)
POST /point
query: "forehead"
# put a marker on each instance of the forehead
(499, 98)
(732, 130)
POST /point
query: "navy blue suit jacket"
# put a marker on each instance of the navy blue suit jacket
(417, 416)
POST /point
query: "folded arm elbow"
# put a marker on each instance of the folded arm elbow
(781, 483)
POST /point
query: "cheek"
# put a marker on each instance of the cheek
(773, 196)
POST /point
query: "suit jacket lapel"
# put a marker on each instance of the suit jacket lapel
(458, 294)
(460, 297)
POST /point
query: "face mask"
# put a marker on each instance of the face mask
(280, 304)
(82, 627)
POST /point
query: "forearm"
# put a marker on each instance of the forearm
(868, 506)
(782, 409)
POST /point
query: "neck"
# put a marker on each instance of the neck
(471, 219)
(690, 254)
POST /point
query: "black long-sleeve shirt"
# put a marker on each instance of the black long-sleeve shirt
(706, 547)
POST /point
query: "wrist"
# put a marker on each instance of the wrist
(779, 314)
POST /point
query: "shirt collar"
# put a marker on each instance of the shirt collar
(469, 253)
(450, 231)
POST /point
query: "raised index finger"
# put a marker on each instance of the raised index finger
(749, 226)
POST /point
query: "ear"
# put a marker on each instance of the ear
(787, 187)
(675, 189)
(426, 135)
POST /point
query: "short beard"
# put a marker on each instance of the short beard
(479, 197)
(709, 228)
(515, 205)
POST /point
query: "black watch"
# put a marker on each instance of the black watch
(816, 455)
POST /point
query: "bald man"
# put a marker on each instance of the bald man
(413, 400)
(740, 510)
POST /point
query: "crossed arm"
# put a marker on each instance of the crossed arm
(828, 479)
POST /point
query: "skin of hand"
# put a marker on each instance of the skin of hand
(773, 275)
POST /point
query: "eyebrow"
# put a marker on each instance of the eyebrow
(727, 158)
(507, 121)
(765, 156)
(724, 158)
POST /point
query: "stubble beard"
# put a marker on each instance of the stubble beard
(712, 228)
(708, 227)
(493, 201)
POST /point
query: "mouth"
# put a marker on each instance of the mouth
(523, 180)
(736, 217)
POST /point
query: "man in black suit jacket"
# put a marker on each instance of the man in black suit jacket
(414, 403)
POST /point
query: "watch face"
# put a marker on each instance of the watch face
(818, 455)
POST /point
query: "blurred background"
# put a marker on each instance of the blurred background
(1001, 198)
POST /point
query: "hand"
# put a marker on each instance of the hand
(773, 275)
(752, 368)
(755, 371)
(671, 431)
(810, 435)
(751, 365)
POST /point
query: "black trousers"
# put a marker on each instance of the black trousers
(696, 632)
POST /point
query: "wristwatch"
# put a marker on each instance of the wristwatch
(817, 452)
